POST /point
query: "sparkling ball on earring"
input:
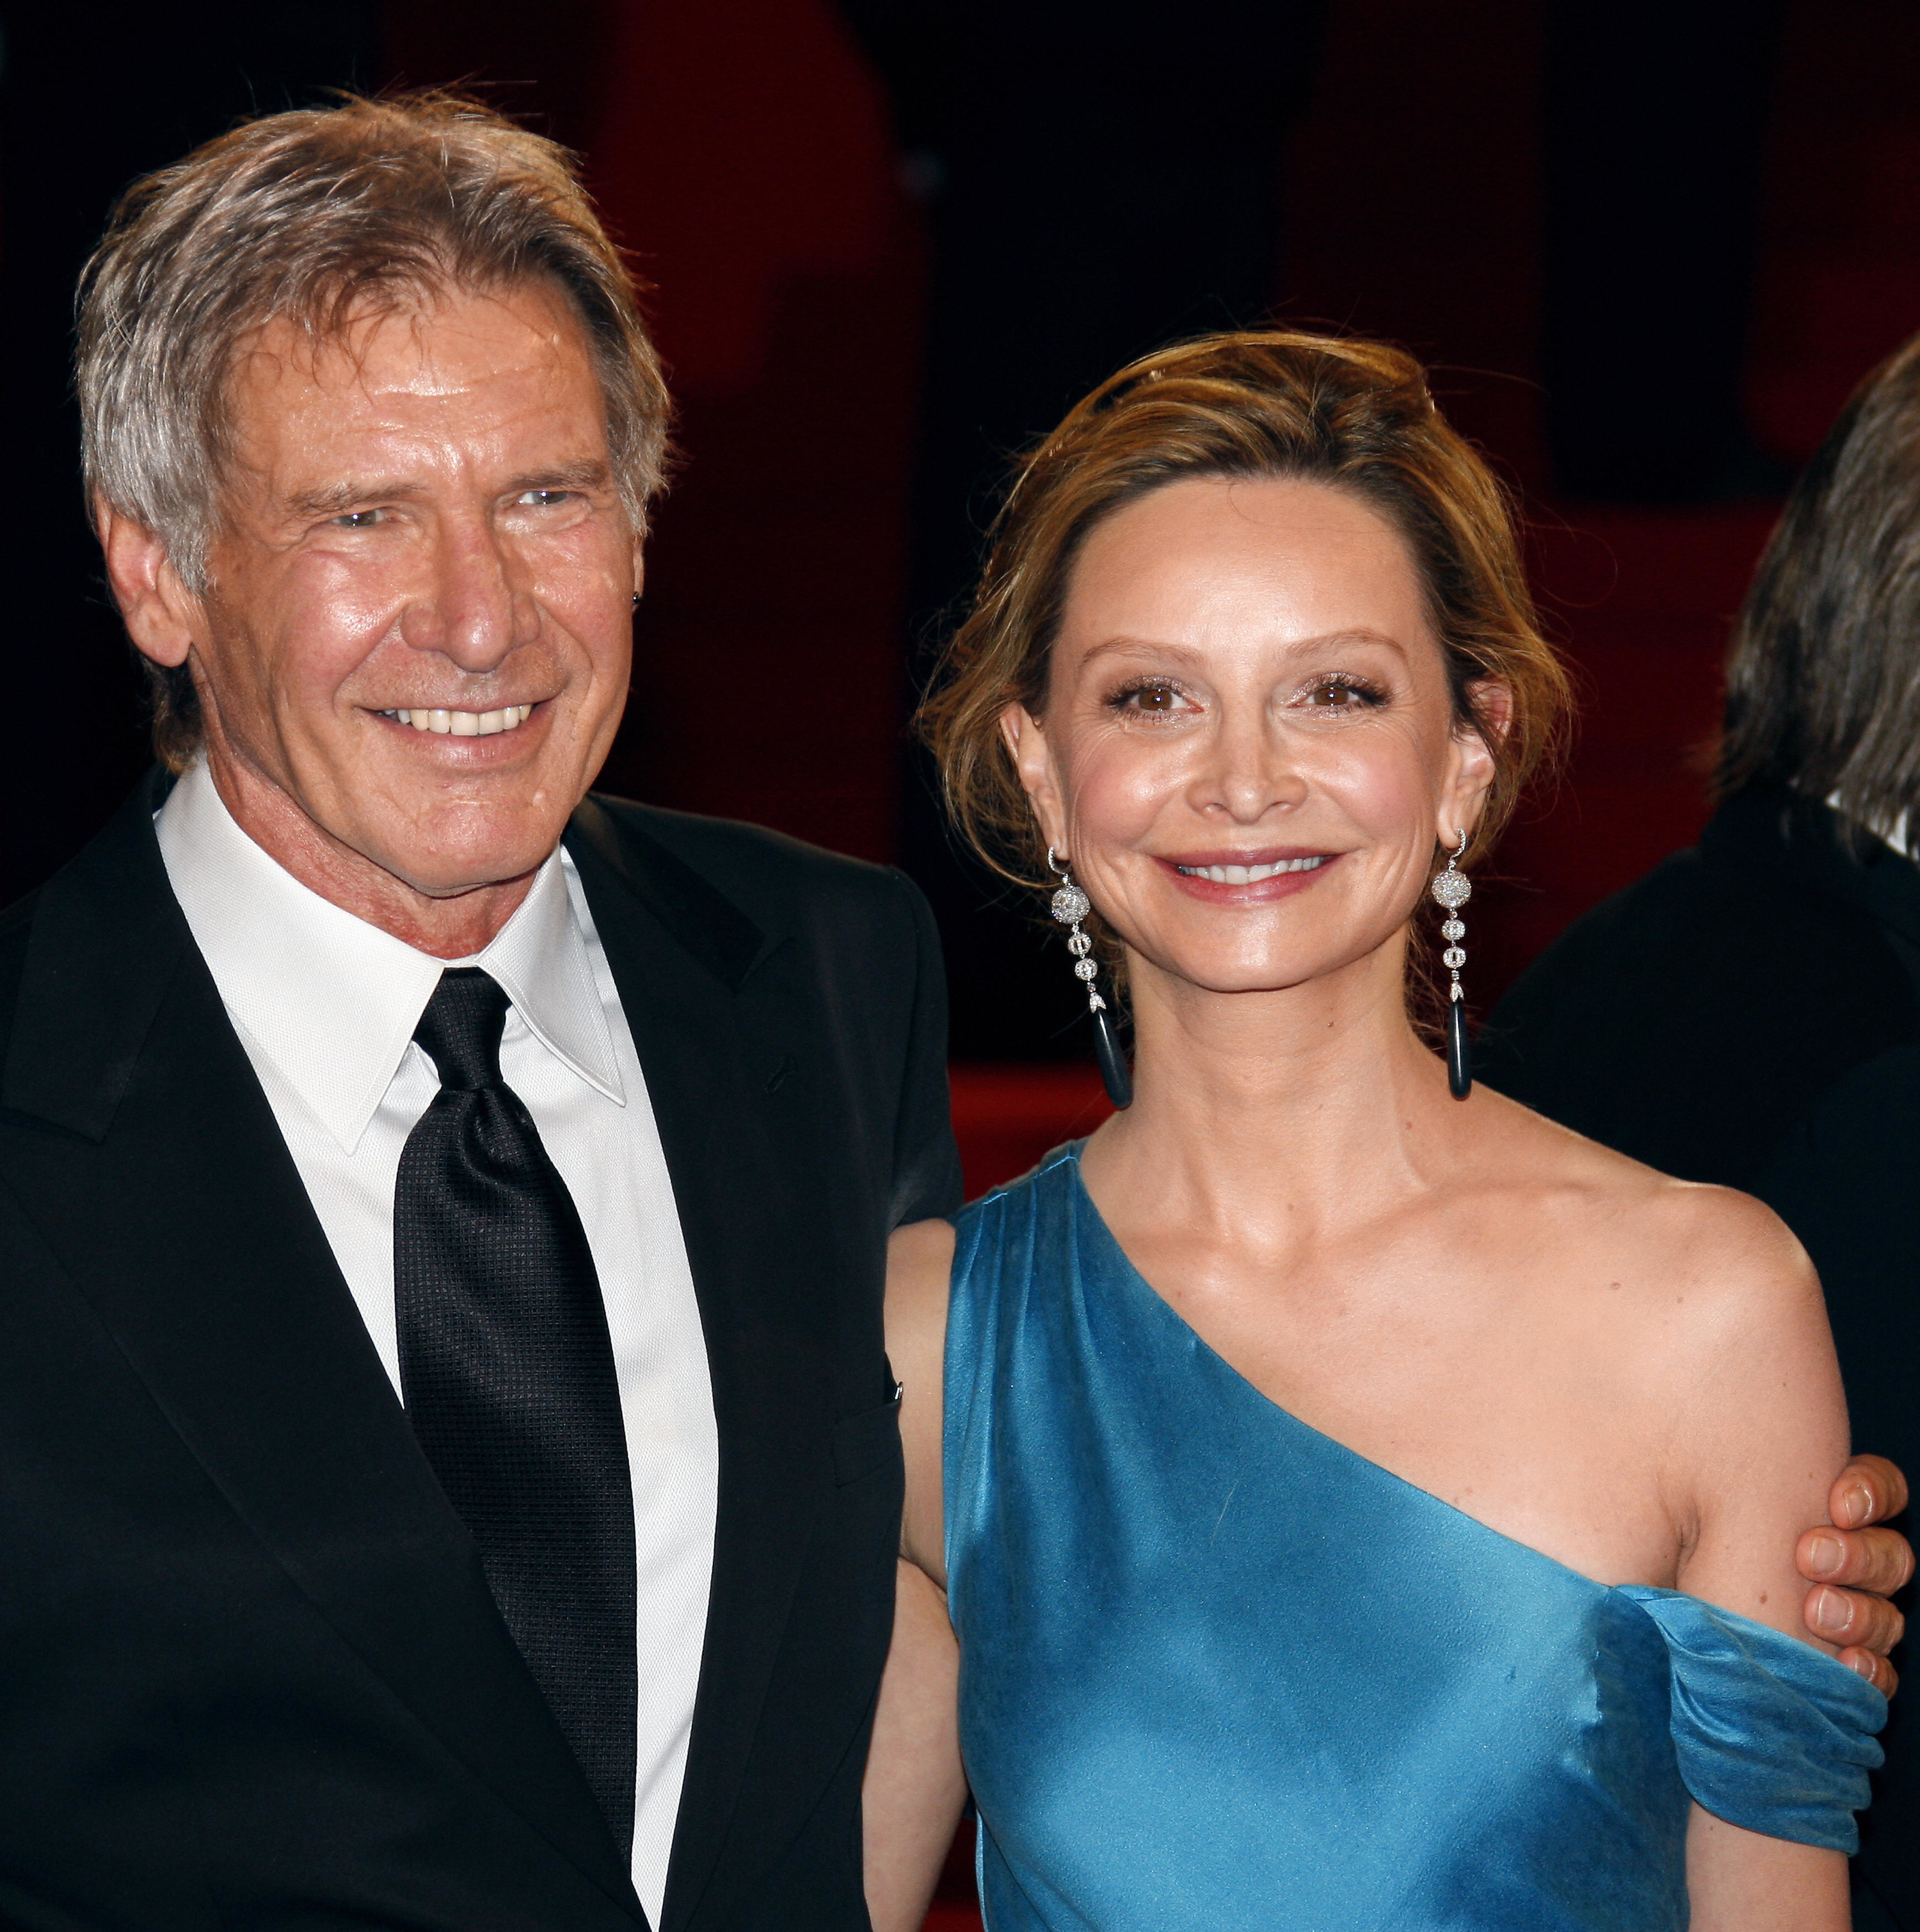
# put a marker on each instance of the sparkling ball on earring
(1453, 928)
(1084, 969)
(1070, 905)
(1452, 888)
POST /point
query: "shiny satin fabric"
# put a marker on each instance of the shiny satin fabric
(1219, 1672)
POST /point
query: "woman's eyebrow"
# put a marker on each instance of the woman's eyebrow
(1314, 646)
(1140, 647)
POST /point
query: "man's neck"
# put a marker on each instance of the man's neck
(453, 926)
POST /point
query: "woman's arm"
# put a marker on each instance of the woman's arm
(1761, 1428)
(915, 1789)
(1741, 1881)
(911, 1802)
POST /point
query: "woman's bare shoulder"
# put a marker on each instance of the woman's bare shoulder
(1714, 1245)
(1715, 1324)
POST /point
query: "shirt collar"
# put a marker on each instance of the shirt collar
(1899, 831)
(333, 1001)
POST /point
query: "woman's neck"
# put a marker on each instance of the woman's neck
(1264, 1115)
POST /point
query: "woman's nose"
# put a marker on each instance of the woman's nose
(1249, 775)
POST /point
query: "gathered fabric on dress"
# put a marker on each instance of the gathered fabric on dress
(1218, 1672)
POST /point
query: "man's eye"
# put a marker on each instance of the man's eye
(357, 519)
(545, 500)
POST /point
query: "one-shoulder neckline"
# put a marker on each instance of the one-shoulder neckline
(1144, 1294)
(1069, 1156)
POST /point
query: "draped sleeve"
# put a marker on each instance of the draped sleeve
(1772, 1734)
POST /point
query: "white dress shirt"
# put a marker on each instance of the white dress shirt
(325, 1006)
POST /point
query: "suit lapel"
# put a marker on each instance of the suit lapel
(685, 959)
(173, 1201)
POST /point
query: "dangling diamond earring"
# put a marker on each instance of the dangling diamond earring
(1070, 906)
(1453, 889)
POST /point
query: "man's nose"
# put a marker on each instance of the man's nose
(476, 608)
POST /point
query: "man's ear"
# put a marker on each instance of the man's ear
(162, 615)
(1033, 760)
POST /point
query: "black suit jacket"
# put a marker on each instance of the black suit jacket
(1749, 1013)
(250, 1675)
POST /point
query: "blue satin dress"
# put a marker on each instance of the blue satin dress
(1219, 1674)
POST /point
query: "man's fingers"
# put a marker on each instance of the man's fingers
(1869, 1490)
(1878, 1560)
(1875, 1670)
(1870, 1665)
(1853, 1619)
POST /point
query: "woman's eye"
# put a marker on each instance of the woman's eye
(1152, 698)
(1335, 693)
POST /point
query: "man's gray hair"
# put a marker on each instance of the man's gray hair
(317, 216)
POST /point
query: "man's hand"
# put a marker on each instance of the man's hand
(1855, 1568)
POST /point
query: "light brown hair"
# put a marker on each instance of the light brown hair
(320, 217)
(1823, 676)
(1260, 404)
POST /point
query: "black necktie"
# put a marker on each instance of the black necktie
(507, 1376)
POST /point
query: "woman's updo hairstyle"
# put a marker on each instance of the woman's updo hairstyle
(1259, 404)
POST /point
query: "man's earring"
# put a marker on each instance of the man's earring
(1070, 906)
(1453, 889)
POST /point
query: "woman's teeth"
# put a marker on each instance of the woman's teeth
(1252, 875)
(464, 724)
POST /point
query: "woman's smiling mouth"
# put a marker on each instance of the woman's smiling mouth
(1251, 875)
(1246, 878)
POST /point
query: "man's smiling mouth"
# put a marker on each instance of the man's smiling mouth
(463, 723)
(1251, 875)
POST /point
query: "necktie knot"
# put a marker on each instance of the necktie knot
(460, 1032)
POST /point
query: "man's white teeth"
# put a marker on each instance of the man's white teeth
(465, 723)
(1252, 875)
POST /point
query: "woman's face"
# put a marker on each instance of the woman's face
(1248, 748)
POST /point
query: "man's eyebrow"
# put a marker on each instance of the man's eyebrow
(333, 500)
(583, 472)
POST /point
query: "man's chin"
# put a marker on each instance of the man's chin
(479, 872)
(449, 862)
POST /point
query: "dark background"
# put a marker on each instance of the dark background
(1649, 247)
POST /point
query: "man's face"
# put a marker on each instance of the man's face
(416, 636)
